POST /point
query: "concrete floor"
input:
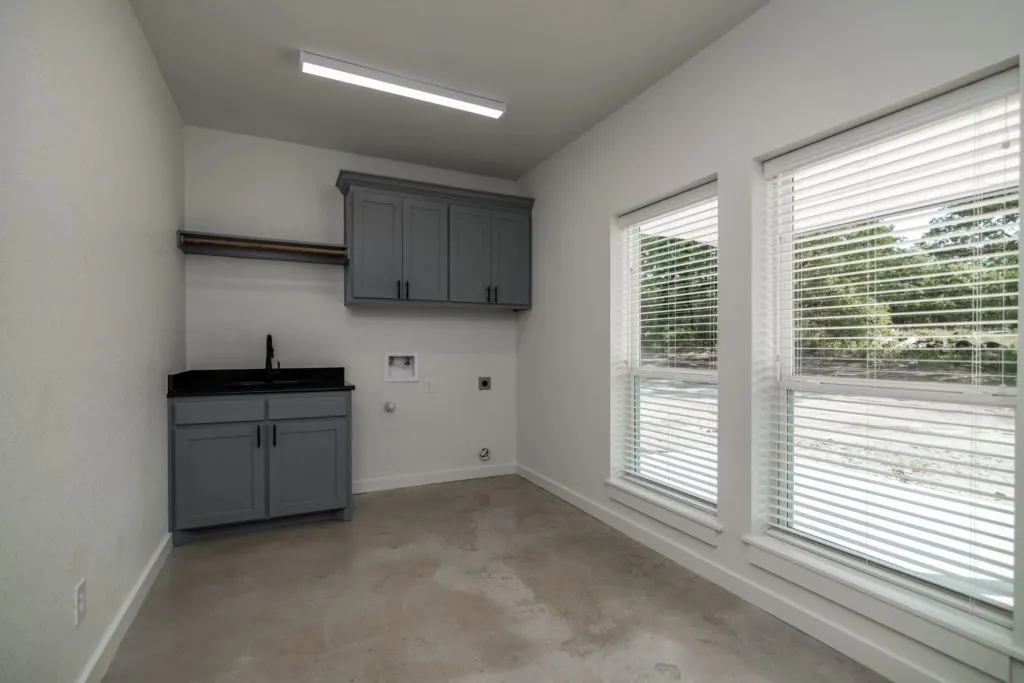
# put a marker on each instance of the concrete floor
(485, 581)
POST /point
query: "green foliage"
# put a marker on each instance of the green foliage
(869, 294)
(961, 244)
(864, 319)
(679, 289)
(834, 300)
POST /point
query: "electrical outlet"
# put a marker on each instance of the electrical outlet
(80, 602)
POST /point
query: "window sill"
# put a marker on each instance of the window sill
(693, 522)
(913, 614)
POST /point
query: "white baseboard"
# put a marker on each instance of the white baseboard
(101, 657)
(437, 477)
(885, 662)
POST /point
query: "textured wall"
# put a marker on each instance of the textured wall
(91, 320)
(253, 186)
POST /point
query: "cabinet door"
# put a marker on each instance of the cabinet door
(308, 466)
(376, 245)
(424, 250)
(469, 254)
(510, 254)
(219, 474)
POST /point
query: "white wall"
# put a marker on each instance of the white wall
(796, 70)
(91, 320)
(251, 186)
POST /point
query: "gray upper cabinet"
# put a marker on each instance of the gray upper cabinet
(413, 242)
(470, 255)
(510, 257)
(490, 256)
(424, 250)
(308, 466)
(375, 248)
(219, 475)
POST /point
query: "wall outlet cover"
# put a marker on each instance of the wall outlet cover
(484, 383)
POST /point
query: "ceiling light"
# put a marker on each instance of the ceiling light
(347, 72)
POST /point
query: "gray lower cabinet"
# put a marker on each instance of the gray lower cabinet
(412, 242)
(219, 474)
(308, 466)
(258, 457)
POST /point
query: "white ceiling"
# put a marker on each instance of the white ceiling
(559, 65)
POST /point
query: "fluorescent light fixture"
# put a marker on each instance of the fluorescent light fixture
(347, 72)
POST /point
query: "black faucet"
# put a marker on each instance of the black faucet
(270, 356)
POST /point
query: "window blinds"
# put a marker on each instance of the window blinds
(894, 301)
(671, 329)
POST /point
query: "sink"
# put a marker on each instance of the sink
(212, 382)
(272, 383)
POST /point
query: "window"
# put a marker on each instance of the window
(895, 311)
(671, 331)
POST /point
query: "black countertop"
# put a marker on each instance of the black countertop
(277, 381)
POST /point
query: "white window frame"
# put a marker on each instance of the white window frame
(885, 591)
(690, 514)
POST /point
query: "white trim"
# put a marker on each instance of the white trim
(437, 477)
(669, 204)
(1018, 518)
(692, 521)
(934, 109)
(880, 657)
(904, 390)
(886, 602)
(676, 374)
(104, 653)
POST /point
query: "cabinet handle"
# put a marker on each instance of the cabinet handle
(406, 289)
(495, 293)
(259, 429)
(398, 286)
(488, 294)
(275, 436)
